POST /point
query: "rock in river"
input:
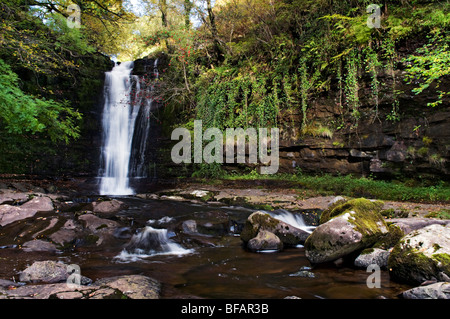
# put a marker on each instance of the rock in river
(260, 221)
(350, 226)
(422, 255)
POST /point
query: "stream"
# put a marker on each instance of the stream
(208, 261)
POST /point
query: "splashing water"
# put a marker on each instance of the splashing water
(150, 242)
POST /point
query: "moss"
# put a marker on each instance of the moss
(408, 265)
(359, 205)
(391, 238)
(443, 262)
(367, 251)
(256, 221)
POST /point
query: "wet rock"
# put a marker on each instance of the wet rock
(422, 255)
(372, 256)
(351, 226)
(265, 240)
(189, 226)
(10, 214)
(133, 286)
(39, 245)
(288, 234)
(66, 234)
(45, 271)
(439, 290)
(94, 223)
(8, 196)
(108, 206)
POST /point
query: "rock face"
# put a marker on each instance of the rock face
(354, 225)
(259, 221)
(422, 255)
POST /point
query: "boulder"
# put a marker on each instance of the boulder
(45, 271)
(372, 256)
(10, 214)
(350, 227)
(265, 240)
(288, 234)
(439, 290)
(422, 255)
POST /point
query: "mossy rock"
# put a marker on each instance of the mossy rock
(362, 205)
(391, 238)
(422, 255)
(352, 226)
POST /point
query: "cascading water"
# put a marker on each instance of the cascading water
(118, 129)
(126, 124)
(149, 242)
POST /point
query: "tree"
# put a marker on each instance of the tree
(22, 113)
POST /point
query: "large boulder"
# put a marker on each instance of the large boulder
(259, 221)
(349, 227)
(423, 254)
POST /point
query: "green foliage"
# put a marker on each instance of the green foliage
(22, 113)
(430, 65)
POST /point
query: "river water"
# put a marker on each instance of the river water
(209, 263)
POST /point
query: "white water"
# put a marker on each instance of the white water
(118, 127)
(150, 242)
(295, 220)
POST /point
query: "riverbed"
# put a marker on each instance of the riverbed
(211, 262)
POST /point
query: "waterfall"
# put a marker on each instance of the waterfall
(126, 123)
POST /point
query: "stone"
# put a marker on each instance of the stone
(351, 226)
(133, 286)
(423, 254)
(414, 223)
(39, 245)
(128, 286)
(94, 223)
(265, 240)
(108, 206)
(288, 234)
(371, 256)
(189, 226)
(10, 214)
(39, 204)
(45, 271)
(439, 290)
